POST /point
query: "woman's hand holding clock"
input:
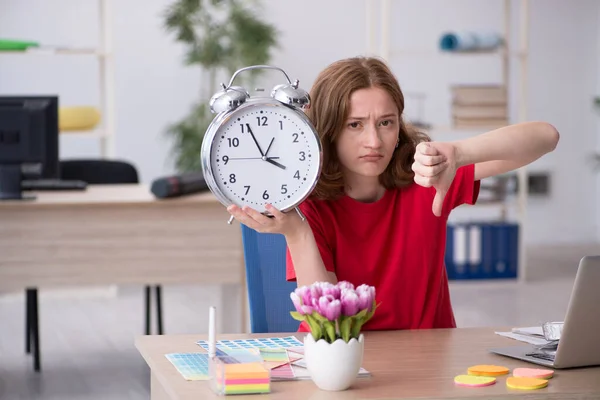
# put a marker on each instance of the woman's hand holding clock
(286, 224)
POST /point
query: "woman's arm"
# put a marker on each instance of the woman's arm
(306, 257)
(493, 153)
(505, 149)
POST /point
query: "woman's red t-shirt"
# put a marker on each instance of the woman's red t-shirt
(397, 245)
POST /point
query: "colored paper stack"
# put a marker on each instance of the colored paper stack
(479, 106)
(244, 378)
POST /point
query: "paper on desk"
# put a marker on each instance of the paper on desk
(531, 339)
(531, 331)
(302, 373)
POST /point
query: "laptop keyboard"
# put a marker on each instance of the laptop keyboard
(543, 356)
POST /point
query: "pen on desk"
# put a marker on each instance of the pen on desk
(211, 333)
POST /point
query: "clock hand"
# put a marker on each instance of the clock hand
(250, 158)
(268, 148)
(270, 160)
(255, 141)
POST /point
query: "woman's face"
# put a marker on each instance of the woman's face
(368, 139)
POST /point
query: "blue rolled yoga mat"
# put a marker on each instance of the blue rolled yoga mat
(469, 41)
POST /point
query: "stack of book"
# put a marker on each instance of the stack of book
(479, 106)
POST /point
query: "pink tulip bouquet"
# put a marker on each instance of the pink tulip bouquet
(334, 311)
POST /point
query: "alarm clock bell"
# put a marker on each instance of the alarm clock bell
(228, 99)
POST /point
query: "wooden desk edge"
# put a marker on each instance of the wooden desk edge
(108, 195)
(162, 379)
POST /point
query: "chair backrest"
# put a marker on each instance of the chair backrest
(97, 172)
(268, 290)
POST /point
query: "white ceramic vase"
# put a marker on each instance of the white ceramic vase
(333, 366)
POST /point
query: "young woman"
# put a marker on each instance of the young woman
(378, 213)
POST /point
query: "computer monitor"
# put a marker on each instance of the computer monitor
(28, 142)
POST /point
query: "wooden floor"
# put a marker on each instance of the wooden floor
(87, 337)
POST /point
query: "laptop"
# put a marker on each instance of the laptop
(579, 344)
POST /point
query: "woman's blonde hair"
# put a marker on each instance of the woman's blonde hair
(330, 104)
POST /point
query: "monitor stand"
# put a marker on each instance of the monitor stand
(10, 183)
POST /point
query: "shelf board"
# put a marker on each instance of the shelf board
(442, 53)
(85, 134)
(57, 51)
(489, 203)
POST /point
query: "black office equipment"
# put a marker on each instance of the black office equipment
(53, 185)
(179, 185)
(28, 150)
(28, 142)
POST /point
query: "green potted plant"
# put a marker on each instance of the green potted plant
(221, 36)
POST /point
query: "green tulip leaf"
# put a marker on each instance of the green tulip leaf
(330, 329)
(315, 328)
(319, 317)
(345, 328)
(361, 314)
(356, 328)
(297, 316)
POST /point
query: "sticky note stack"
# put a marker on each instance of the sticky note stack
(487, 370)
(245, 378)
(526, 383)
(523, 378)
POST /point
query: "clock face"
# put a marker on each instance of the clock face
(265, 153)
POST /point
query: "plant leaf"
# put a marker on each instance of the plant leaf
(345, 326)
(218, 36)
(356, 326)
(315, 328)
(372, 312)
(187, 136)
(330, 329)
(297, 316)
(361, 314)
(319, 317)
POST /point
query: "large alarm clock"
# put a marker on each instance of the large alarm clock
(260, 150)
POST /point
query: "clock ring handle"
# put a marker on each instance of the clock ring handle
(256, 67)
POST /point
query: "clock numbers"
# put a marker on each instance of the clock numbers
(262, 121)
(256, 164)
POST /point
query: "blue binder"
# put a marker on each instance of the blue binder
(482, 250)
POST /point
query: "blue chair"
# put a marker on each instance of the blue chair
(268, 290)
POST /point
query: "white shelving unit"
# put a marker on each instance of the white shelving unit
(105, 132)
(505, 54)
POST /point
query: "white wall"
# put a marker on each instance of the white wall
(564, 65)
(153, 87)
(597, 117)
